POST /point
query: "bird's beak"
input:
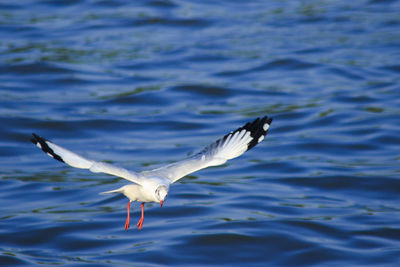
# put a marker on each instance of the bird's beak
(161, 202)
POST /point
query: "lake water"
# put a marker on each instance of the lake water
(144, 83)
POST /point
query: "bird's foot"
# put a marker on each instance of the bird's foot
(140, 224)
(127, 216)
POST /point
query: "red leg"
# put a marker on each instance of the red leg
(140, 222)
(127, 216)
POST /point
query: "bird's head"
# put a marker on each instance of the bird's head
(161, 193)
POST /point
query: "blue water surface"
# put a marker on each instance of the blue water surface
(145, 83)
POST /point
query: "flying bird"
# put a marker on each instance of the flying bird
(153, 185)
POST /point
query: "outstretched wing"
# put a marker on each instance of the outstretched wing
(228, 147)
(74, 160)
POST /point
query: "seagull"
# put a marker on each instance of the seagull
(153, 185)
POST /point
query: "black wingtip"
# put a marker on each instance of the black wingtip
(35, 138)
(257, 131)
(41, 142)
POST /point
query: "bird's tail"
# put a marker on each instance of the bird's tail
(119, 190)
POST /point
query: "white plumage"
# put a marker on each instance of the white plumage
(152, 186)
